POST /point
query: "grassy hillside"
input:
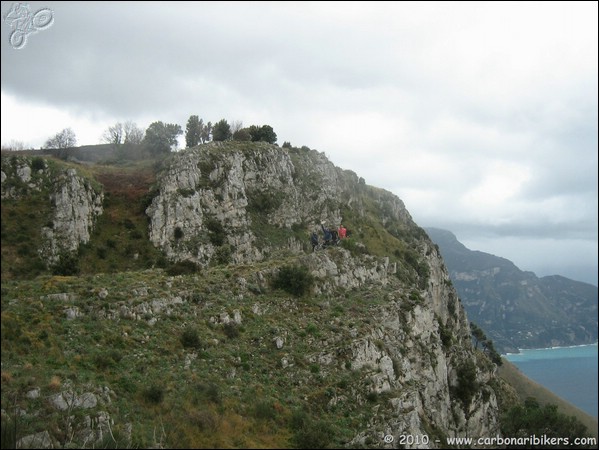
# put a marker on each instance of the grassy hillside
(120, 239)
(525, 387)
(134, 351)
(213, 359)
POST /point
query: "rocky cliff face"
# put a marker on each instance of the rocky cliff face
(516, 309)
(382, 311)
(69, 201)
(227, 194)
(418, 355)
(420, 351)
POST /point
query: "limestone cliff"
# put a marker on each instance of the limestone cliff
(419, 350)
(379, 347)
(229, 193)
(68, 202)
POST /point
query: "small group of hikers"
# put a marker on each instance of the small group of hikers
(330, 236)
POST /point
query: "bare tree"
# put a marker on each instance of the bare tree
(13, 146)
(113, 134)
(65, 139)
(133, 134)
(236, 125)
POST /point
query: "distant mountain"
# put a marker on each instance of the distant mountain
(515, 308)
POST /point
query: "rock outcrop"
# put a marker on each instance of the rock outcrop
(382, 311)
(226, 198)
(420, 354)
(73, 203)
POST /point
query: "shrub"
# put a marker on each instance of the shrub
(295, 280)
(372, 396)
(313, 434)
(265, 410)
(190, 338)
(209, 392)
(103, 362)
(231, 330)
(532, 418)
(182, 268)
(67, 265)
(37, 163)
(154, 394)
(216, 231)
(222, 255)
(178, 233)
(467, 385)
(264, 202)
(102, 252)
(205, 420)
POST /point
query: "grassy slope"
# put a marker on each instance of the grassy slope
(255, 407)
(120, 239)
(231, 388)
(525, 387)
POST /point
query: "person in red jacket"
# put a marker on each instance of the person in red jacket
(342, 232)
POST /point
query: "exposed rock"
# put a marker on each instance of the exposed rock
(279, 342)
(221, 187)
(74, 203)
(225, 204)
(37, 440)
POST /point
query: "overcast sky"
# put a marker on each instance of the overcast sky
(481, 117)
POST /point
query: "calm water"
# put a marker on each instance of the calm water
(570, 372)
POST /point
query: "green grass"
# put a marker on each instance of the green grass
(151, 338)
(212, 401)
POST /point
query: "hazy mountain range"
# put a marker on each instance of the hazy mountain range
(515, 308)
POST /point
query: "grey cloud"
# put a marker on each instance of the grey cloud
(413, 97)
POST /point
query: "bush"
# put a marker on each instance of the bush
(37, 163)
(67, 265)
(216, 231)
(222, 255)
(178, 233)
(265, 410)
(190, 338)
(467, 384)
(533, 419)
(264, 202)
(209, 392)
(295, 280)
(231, 330)
(314, 434)
(182, 268)
(154, 394)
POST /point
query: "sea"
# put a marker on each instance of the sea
(569, 372)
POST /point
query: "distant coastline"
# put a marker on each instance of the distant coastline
(521, 350)
(570, 372)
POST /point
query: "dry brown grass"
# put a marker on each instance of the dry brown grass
(525, 387)
(6, 377)
(129, 183)
(55, 383)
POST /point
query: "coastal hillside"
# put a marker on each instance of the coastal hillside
(178, 303)
(516, 309)
(527, 388)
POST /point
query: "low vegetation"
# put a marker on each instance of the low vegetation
(223, 355)
(182, 372)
